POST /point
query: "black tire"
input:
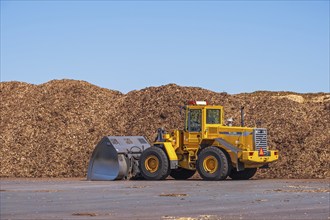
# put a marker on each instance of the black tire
(212, 155)
(182, 174)
(154, 164)
(245, 174)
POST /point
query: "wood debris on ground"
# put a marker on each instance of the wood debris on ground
(173, 194)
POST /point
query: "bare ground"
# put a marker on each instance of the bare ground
(47, 198)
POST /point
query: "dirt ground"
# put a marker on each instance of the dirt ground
(185, 200)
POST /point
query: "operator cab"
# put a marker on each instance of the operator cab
(200, 115)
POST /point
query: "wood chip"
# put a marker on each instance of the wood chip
(85, 214)
(174, 194)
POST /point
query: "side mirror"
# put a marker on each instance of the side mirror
(182, 108)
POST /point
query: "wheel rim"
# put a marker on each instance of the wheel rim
(210, 164)
(151, 163)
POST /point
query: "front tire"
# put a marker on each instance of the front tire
(154, 164)
(212, 164)
(245, 174)
(182, 174)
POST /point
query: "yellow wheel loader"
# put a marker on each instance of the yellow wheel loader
(206, 144)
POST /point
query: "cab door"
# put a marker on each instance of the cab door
(193, 127)
(213, 119)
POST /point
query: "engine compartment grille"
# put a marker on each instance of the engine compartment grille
(260, 140)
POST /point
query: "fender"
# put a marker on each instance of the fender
(174, 164)
(227, 146)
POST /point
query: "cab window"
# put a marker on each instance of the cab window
(212, 116)
(194, 121)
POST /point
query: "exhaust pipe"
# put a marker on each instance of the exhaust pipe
(242, 116)
(116, 157)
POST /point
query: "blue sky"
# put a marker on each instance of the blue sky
(231, 46)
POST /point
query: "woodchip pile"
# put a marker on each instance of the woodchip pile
(50, 130)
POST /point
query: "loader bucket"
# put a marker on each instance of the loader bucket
(113, 155)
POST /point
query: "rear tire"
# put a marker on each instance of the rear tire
(245, 174)
(212, 164)
(154, 164)
(182, 174)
